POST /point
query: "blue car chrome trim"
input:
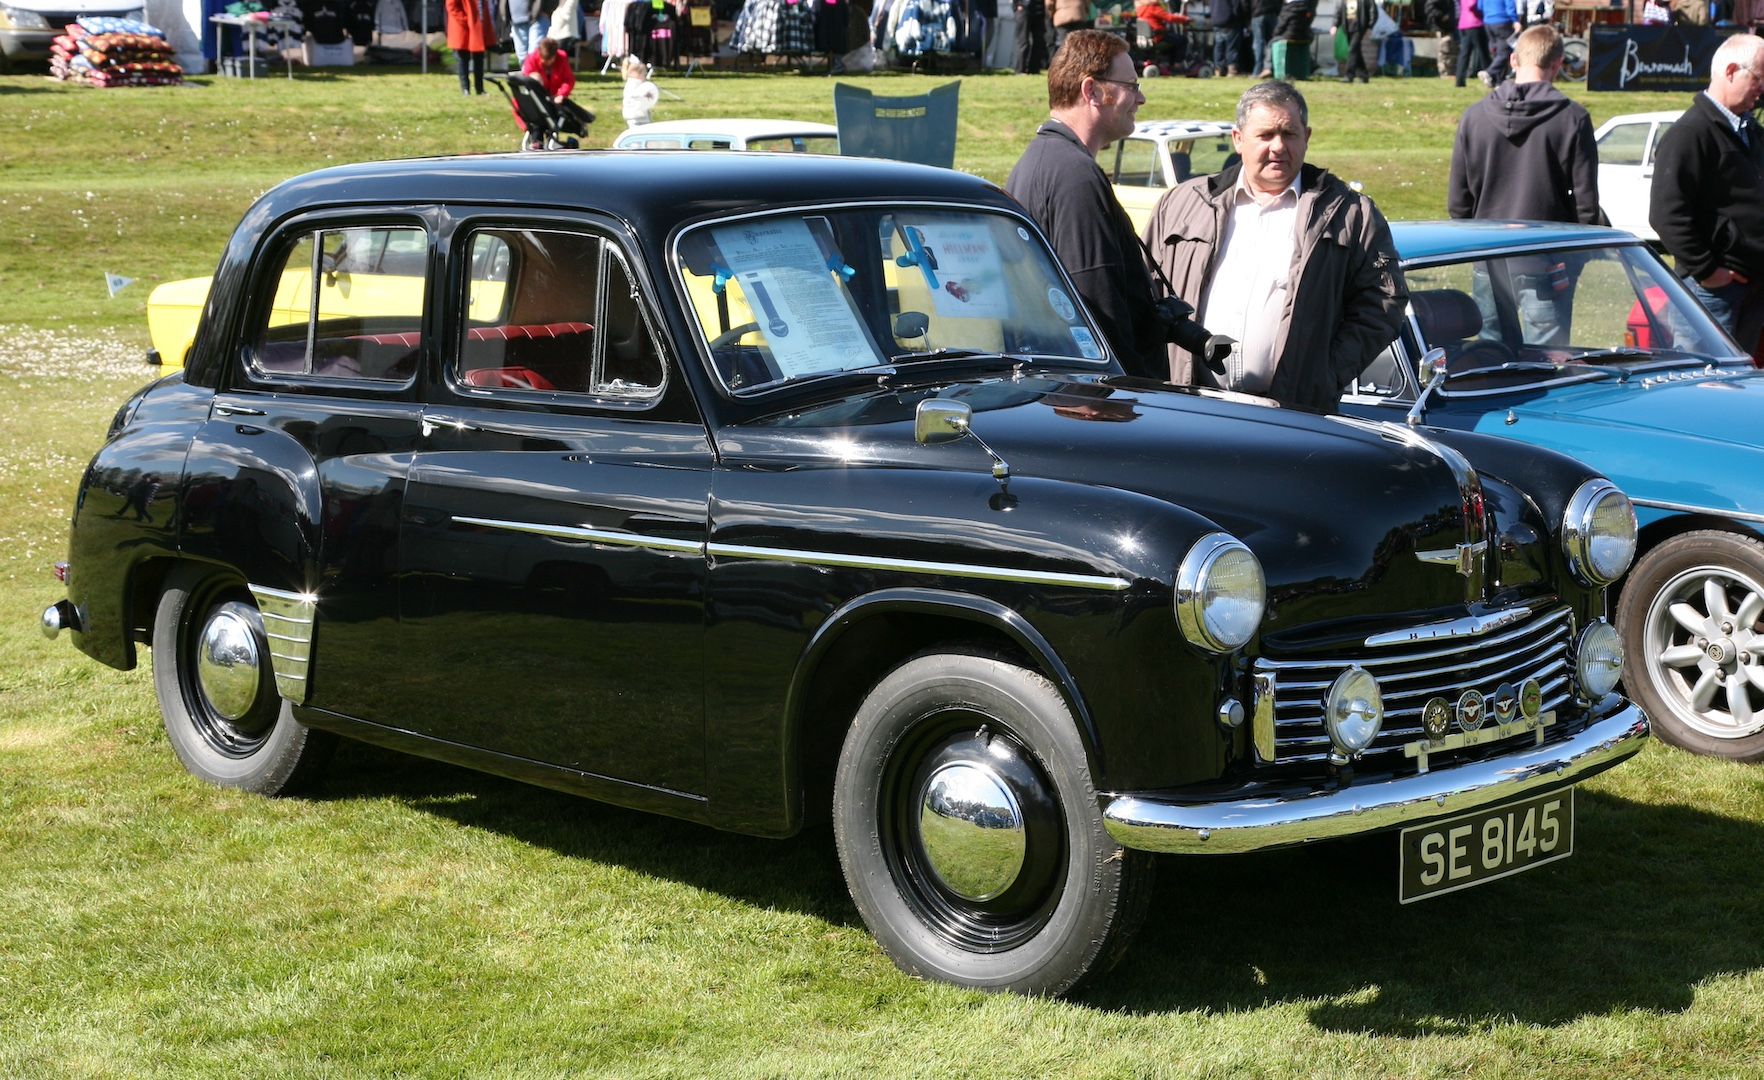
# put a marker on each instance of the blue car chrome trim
(809, 558)
(288, 622)
(1146, 823)
(1687, 508)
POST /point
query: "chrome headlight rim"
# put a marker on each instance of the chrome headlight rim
(1578, 533)
(1192, 578)
(1598, 636)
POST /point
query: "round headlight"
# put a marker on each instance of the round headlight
(1353, 711)
(1598, 533)
(1220, 593)
(1599, 661)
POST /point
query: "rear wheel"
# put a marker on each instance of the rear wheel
(1692, 618)
(970, 831)
(217, 694)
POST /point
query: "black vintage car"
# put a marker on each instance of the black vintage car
(760, 490)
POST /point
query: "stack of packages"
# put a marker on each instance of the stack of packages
(105, 51)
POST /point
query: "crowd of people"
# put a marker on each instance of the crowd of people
(1274, 242)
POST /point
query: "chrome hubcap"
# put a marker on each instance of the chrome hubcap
(1703, 637)
(229, 663)
(971, 829)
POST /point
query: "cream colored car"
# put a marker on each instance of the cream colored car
(1161, 154)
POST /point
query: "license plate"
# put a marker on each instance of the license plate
(1495, 842)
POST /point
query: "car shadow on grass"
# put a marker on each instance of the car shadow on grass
(797, 874)
(1654, 900)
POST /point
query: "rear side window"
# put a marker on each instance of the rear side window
(345, 304)
(1625, 144)
(1137, 164)
(554, 311)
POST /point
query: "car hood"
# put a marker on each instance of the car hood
(1331, 507)
(1690, 440)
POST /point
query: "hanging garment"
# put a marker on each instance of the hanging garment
(612, 28)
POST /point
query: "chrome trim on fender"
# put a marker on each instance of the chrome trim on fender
(1687, 508)
(288, 622)
(808, 558)
(596, 536)
(915, 566)
(1149, 824)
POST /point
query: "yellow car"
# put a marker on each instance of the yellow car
(1161, 154)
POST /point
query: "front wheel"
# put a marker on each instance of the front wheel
(1692, 618)
(971, 835)
(217, 693)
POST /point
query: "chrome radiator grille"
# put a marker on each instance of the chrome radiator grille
(1411, 673)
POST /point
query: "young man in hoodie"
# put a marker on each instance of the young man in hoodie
(1527, 152)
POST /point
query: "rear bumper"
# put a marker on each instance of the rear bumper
(1149, 824)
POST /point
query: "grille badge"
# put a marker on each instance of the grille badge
(1506, 703)
(1470, 710)
(1436, 717)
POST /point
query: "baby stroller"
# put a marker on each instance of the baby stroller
(548, 124)
(1167, 50)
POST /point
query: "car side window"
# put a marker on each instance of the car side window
(554, 311)
(1137, 164)
(345, 303)
(1211, 154)
(1659, 133)
(1625, 144)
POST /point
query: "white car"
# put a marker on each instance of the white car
(1626, 168)
(786, 136)
(1161, 154)
(29, 27)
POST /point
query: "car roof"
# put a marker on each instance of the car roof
(1426, 241)
(736, 127)
(1640, 118)
(1177, 129)
(648, 190)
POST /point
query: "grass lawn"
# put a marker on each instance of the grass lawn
(413, 918)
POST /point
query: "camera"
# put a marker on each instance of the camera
(1176, 316)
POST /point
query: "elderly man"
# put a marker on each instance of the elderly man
(1282, 256)
(1093, 96)
(1708, 195)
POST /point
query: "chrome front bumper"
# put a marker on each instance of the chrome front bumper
(1148, 824)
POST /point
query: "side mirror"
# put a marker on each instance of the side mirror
(1432, 372)
(939, 420)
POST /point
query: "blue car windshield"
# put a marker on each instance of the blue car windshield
(806, 294)
(1544, 314)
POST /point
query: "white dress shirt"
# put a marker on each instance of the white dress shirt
(1246, 297)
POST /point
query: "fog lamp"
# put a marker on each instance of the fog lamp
(1599, 660)
(1353, 711)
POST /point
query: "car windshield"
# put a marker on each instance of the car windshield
(800, 295)
(1548, 313)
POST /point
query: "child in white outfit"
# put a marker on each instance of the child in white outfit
(640, 94)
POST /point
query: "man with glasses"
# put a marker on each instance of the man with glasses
(1707, 201)
(1093, 96)
(1284, 258)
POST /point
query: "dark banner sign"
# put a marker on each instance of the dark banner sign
(1651, 57)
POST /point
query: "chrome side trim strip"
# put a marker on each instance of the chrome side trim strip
(1470, 626)
(915, 566)
(1687, 508)
(289, 620)
(808, 558)
(596, 536)
(1146, 823)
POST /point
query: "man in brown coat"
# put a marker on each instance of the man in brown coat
(1283, 257)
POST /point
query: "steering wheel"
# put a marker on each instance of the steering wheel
(1482, 353)
(733, 335)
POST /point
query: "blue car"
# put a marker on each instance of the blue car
(1579, 339)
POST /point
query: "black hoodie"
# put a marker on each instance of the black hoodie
(1525, 151)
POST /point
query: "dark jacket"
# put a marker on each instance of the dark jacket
(1525, 151)
(1068, 195)
(1295, 21)
(1231, 13)
(1265, 9)
(1347, 299)
(1351, 15)
(1708, 195)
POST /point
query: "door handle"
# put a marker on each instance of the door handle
(223, 409)
(431, 422)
